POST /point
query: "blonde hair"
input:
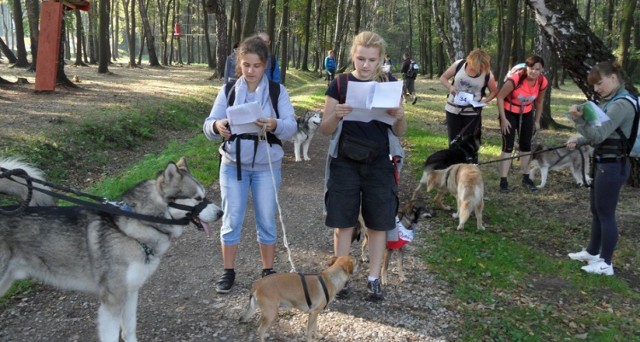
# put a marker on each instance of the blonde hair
(371, 40)
(479, 60)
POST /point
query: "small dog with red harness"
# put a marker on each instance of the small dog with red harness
(408, 216)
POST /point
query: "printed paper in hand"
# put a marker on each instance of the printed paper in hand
(371, 100)
(242, 118)
(593, 114)
(466, 99)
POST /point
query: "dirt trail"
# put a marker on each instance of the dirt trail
(179, 302)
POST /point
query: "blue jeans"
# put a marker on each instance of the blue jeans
(235, 195)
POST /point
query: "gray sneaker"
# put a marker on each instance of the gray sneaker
(375, 291)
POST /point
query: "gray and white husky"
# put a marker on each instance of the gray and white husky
(87, 250)
(307, 127)
(558, 159)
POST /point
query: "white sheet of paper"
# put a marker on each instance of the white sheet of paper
(370, 100)
(242, 118)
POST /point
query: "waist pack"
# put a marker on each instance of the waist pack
(358, 149)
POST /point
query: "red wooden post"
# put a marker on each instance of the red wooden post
(49, 45)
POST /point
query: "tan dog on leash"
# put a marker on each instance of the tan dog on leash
(464, 181)
(309, 293)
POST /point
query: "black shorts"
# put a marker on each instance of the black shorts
(371, 186)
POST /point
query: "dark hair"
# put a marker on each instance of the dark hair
(605, 68)
(530, 62)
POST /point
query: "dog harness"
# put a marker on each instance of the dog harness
(307, 297)
(405, 235)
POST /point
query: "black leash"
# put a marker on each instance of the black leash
(114, 208)
(18, 173)
(523, 154)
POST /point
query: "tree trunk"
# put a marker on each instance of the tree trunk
(250, 19)
(130, 29)
(61, 77)
(217, 7)
(455, 26)
(33, 14)
(93, 13)
(628, 8)
(22, 61)
(103, 37)
(307, 36)
(271, 18)
(438, 17)
(79, 34)
(507, 42)
(284, 61)
(151, 45)
(210, 60)
(7, 52)
(468, 26)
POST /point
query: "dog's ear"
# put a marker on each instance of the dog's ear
(349, 265)
(332, 261)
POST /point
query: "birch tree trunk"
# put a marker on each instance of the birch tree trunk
(455, 26)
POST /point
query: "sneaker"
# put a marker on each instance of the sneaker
(584, 256)
(267, 271)
(375, 291)
(226, 281)
(415, 99)
(504, 186)
(344, 293)
(599, 267)
(528, 183)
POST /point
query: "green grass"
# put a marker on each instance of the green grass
(511, 282)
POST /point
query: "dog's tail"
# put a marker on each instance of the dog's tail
(17, 186)
(250, 310)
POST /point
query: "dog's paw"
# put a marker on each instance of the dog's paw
(307, 158)
(455, 215)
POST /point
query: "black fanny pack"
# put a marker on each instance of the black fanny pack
(359, 149)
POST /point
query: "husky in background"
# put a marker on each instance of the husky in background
(87, 250)
(560, 159)
(307, 127)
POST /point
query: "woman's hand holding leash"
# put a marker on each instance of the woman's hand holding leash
(268, 124)
(222, 127)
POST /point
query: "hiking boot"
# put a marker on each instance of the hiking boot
(344, 293)
(267, 271)
(528, 184)
(375, 291)
(584, 256)
(415, 99)
(599, 267)
(226, 281)
(504, 186)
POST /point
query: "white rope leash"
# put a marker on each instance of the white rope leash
(273, 180)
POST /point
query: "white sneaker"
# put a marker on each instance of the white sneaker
(599, 267)
(584, 256)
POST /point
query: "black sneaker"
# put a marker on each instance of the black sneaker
(504, 186)
(415, 99)
(344, 293)
(267, 271)
(528, 183)
(375, 291)
(226, 281)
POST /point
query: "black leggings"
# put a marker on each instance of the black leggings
(523, 124)
(457, 122)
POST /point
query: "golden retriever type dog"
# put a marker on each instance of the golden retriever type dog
(464, 182)
(306, 292)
